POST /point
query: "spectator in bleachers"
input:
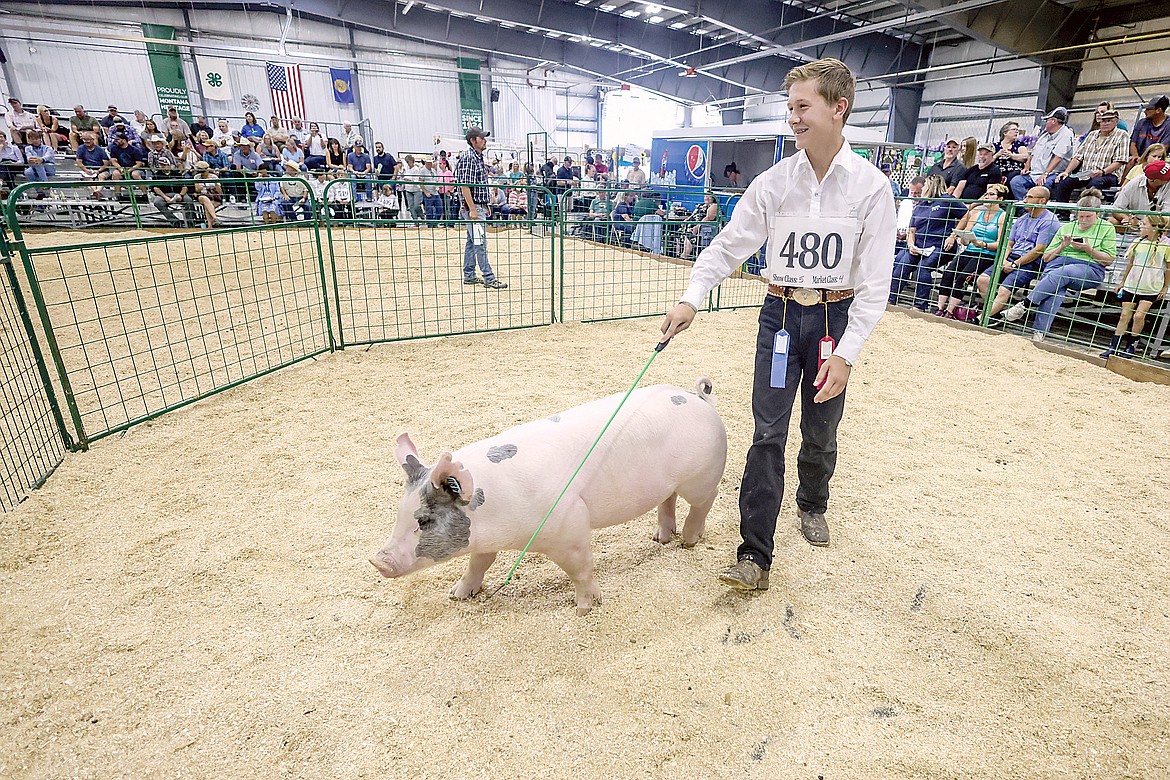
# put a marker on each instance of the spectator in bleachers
(315, 148)
(636, 175)
(385, 166)
(123, 130)
(1103, 108)
(985, 220)
(335, 157)
(269, 205)
(1146, 192)
(50, 127)
(1030, 235)
(138, 122)
(950, 168)
(279, 134)
(82, 122)
(1099, 159)
(1075, 260)
(1010, 154)
(980, 176)
(186, 155)
(159, 158)
(1143, 283)
(11, 163)
(223, 135)
(208, 192)
(150, 131)
(296, 129)
(318, 184)
(1150, 130)
(340, 199)
(600, 166)
(111, 118)
(496, 204)
(269, 152)
(348, 136)
(40, 158)
(200, 126)
(94, 162)
(1153, 153)
(595, 224)
(517, 205)
(203, 143)
(292, 153)
(251, 129)
(931, 223)
(129, 159)
(412, 191)
(19, 122)
(699, 235)
(245, 161)
(888, 170)
(217, 159)
(623, 215)
(173, 200)
(969, 152)
(360, 165)
(386, 202)
(295, 191)
(176, 126)
(1053, 149)
(906, 211)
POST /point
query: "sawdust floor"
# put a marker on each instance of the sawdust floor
(194, 600)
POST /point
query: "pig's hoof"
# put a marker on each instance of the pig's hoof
(583, 611)
(662, 537)
(462, 592)
(689, 545)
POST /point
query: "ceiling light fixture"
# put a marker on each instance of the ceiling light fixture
(409, 5)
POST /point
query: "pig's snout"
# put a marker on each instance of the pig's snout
(385, 565)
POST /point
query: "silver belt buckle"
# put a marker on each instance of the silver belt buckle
(806, 296)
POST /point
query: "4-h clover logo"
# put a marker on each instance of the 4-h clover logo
(214, 80)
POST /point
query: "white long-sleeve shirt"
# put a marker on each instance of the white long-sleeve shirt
(853, 186)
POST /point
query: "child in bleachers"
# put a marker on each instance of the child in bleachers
(1144, 282)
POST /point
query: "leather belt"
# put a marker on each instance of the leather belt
(809, 296)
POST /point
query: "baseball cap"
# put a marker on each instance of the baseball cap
(475, 132)
(13, 100)
(985, 146)
(1161, 102)
(1157, 171)
(887, 168)
(954, 141)
(1110, 114)
(1060, 114)
(111, 108)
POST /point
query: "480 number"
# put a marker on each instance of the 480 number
(813, 251)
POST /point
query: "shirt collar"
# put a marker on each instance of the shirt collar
(844, 159)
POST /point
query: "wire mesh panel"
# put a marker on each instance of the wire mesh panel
(400, 272)
(629, 252)
(31, 428)
(140, 326)
(961, 120)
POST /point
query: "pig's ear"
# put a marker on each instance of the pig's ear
(408, 458)
(452, 477)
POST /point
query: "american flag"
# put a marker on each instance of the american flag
(284, 82)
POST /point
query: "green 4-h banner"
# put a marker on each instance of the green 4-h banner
(213, 75)
(167, 68)
(470, 92)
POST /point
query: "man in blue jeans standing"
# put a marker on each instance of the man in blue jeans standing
(471, 173)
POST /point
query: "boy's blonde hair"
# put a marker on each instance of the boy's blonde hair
(833, 77)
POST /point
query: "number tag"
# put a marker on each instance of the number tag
(780, 359)
(806, 251)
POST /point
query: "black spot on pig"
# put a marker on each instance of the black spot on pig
(678, 400)
(476, 499)
(501, 452)
(415, 471)
(445, 529)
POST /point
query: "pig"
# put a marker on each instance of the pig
(489, 496)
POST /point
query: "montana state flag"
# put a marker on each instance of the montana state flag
(342, 84)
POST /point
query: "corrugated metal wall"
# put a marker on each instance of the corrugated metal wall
(409, 91)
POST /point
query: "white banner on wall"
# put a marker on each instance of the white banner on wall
(213, 73)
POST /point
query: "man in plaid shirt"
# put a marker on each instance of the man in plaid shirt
(471, 173)
(1100, 157)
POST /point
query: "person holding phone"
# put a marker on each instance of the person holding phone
(1075, 260)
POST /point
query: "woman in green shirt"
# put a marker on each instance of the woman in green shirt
(1075, 260)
